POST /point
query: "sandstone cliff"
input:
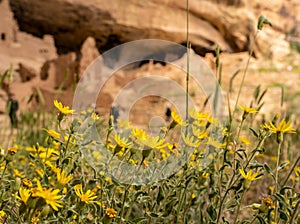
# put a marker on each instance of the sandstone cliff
(228, 23)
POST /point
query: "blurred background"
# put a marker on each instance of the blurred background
(49, 44)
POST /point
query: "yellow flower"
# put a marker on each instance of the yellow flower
(18, 173)
(249, 177)
(199, 133)
(153, 142)
(111, 213)
(35, 220)
(2, 214)
(177, 119)
(244, 140)
(122, 142)
(71, 139)
(164, 154)
(204, 175)
(50, 196)
(62, 109)
(12, 150)
(27, 183)
(197, 115)
(173, 147)
(211, 120)
(282, 127)
(53, 133)
(145, 163)
(24, 195)
(123, 124)
(49, 153)
(193, 195)
(297, 171)
(95, 116)
(249, 110)
(189, 140)
(87, 197)
(62, 178)
(138, 133)
(268, 201)
(215, 143)
(52, 166)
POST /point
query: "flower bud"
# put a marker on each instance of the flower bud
(46, 210)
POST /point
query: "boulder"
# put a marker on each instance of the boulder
(111, 23)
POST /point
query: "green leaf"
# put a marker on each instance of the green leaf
(260, 106)
(225, 221)
(283, 215)
(285, 188)
(268, 169)
(256, 92)
(261, 21)
(281, 200)
(261, 96)
(2, 77)
(160, 196)
(223, 167)
(66, 161)
(282, 95)
(139, 220)
(41, 96)
(256, 165)
(212, 212)
(30, 98)
(261, 219)
(155, 215)
(45, 180)
(170, 206)
(254, 132)
(231, 80)
(282, 165)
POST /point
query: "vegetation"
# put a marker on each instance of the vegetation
(241, 170)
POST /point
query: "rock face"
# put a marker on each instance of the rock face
(26, 73)
(60, 71)
(88, 54)
(229, 24)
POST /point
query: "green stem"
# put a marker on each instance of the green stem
(123, 203)
(3, 173)
(232, 182)
(181, 200)
(65, 152)
(295, 212)
(188, 61)
(244, 74)
(254, 151)
(239, 208)
(239, 130)
(291, 171)
(224, 196)
(254, 218)
(276, 176)
(237, 140)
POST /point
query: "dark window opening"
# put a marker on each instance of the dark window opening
(3, 36)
